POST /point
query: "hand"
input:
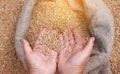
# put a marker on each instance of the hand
(37, 61)
(73, 56)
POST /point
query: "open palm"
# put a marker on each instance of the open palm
(74, 55)
(72, 58)
(36, 60)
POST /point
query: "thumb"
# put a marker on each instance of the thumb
(83, 56)
(26, 46)
(88, 48)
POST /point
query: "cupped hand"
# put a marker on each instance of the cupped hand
(37, 61)
(74, 54)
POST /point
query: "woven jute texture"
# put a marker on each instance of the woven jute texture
(54, 13)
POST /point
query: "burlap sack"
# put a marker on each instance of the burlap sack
(101, 27)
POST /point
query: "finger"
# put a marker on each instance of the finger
(27, 47)
(66, 39)
(83, 56)
(42, 32)
(79, 44)
(62, 44)
(88, 48)
(61, 41)
(54, 56)
(77, 36)
(68, 50)
(38, 48)
(78, 47)
(65, 36)
(71, 38)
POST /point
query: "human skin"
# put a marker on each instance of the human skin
(72, 63)
(22, 27)
(74, 54)
(101, 26)
(37, 62)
